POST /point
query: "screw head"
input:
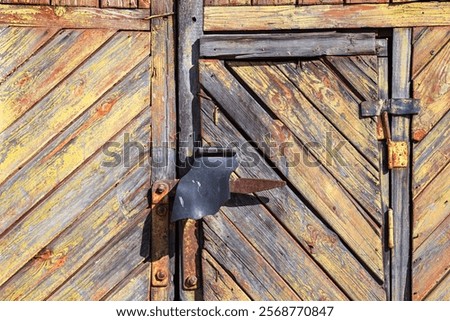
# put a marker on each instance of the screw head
(160, 188)
(191, 281)
(160, 275)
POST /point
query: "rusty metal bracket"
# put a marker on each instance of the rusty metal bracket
(397, 150)
(160, 268)
(190, 255)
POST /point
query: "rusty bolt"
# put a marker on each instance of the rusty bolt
(161, 210)
(191, 281)
(161, 188)
(160, 275)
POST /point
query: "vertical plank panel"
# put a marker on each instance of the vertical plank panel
(163, 118)
(190, 22)
(144, 4)
(400, 177)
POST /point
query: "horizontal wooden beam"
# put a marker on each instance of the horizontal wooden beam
(74, 17)
(326, 16)
(251, 46)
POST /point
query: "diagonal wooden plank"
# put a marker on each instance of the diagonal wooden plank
(431, 207)
(431, 155)
(358, 73)
(46, 68)
(74, 146)
(88, 135)
(442, 291)
(281, 251)
(323, 244)
(18, 44)
(105, 270)
(218, 285)
(319, 136)
(246, 266)
(70, 98)
(431, 41)
(336, 103)
(431, 261)
(133, 288)
(330, 200)
(432, 87)
(122, 205)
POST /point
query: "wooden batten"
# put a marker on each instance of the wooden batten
(291, 17)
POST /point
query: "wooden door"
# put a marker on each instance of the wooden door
(320, 237)
(75, 133)
(430, 190)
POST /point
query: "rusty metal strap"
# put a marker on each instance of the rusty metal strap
(405, 106)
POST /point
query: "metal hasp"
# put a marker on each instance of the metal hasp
(397, 150)
(207, 185)
(205, 188)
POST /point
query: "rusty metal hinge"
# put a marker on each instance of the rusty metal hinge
(160, 266)
(397, 150)
(390, 228)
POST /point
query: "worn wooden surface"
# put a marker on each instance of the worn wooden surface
(286, 45)
(400, 177)
(236, 102)
(119, 3)
(76, 3)
(321, 242)
(163, 129)
(326, 16)
(431, 167)
(74, 17)
(66, 210)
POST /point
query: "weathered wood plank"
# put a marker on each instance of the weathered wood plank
(43, 2)
(431, 207)
(105, 270)
(144, 4)
(133, 288)
(359, 74)
(249, 268)
(319, 135)
(431, 41)
(76, 3)
(432, 87)
(366, 1)
(219, 286)
(330, 200)
(319, 2)
(431, 155)
(272, 2)
(164, 125)
(336, 103)
(442, 291)
(45, 69)
(88, 184)
(51, 115)
(400, 177)
(322, 243)
(281, 251)
(286, 45)
(326, 16)
(74, 17)
(227, 2)
(101, 217)
(431, 261)
(119, 3)
(19, 44)
(190, 28)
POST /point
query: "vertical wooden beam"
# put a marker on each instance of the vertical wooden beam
(190, 29)
(383, 93)
(163, 132)
(400, 177)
